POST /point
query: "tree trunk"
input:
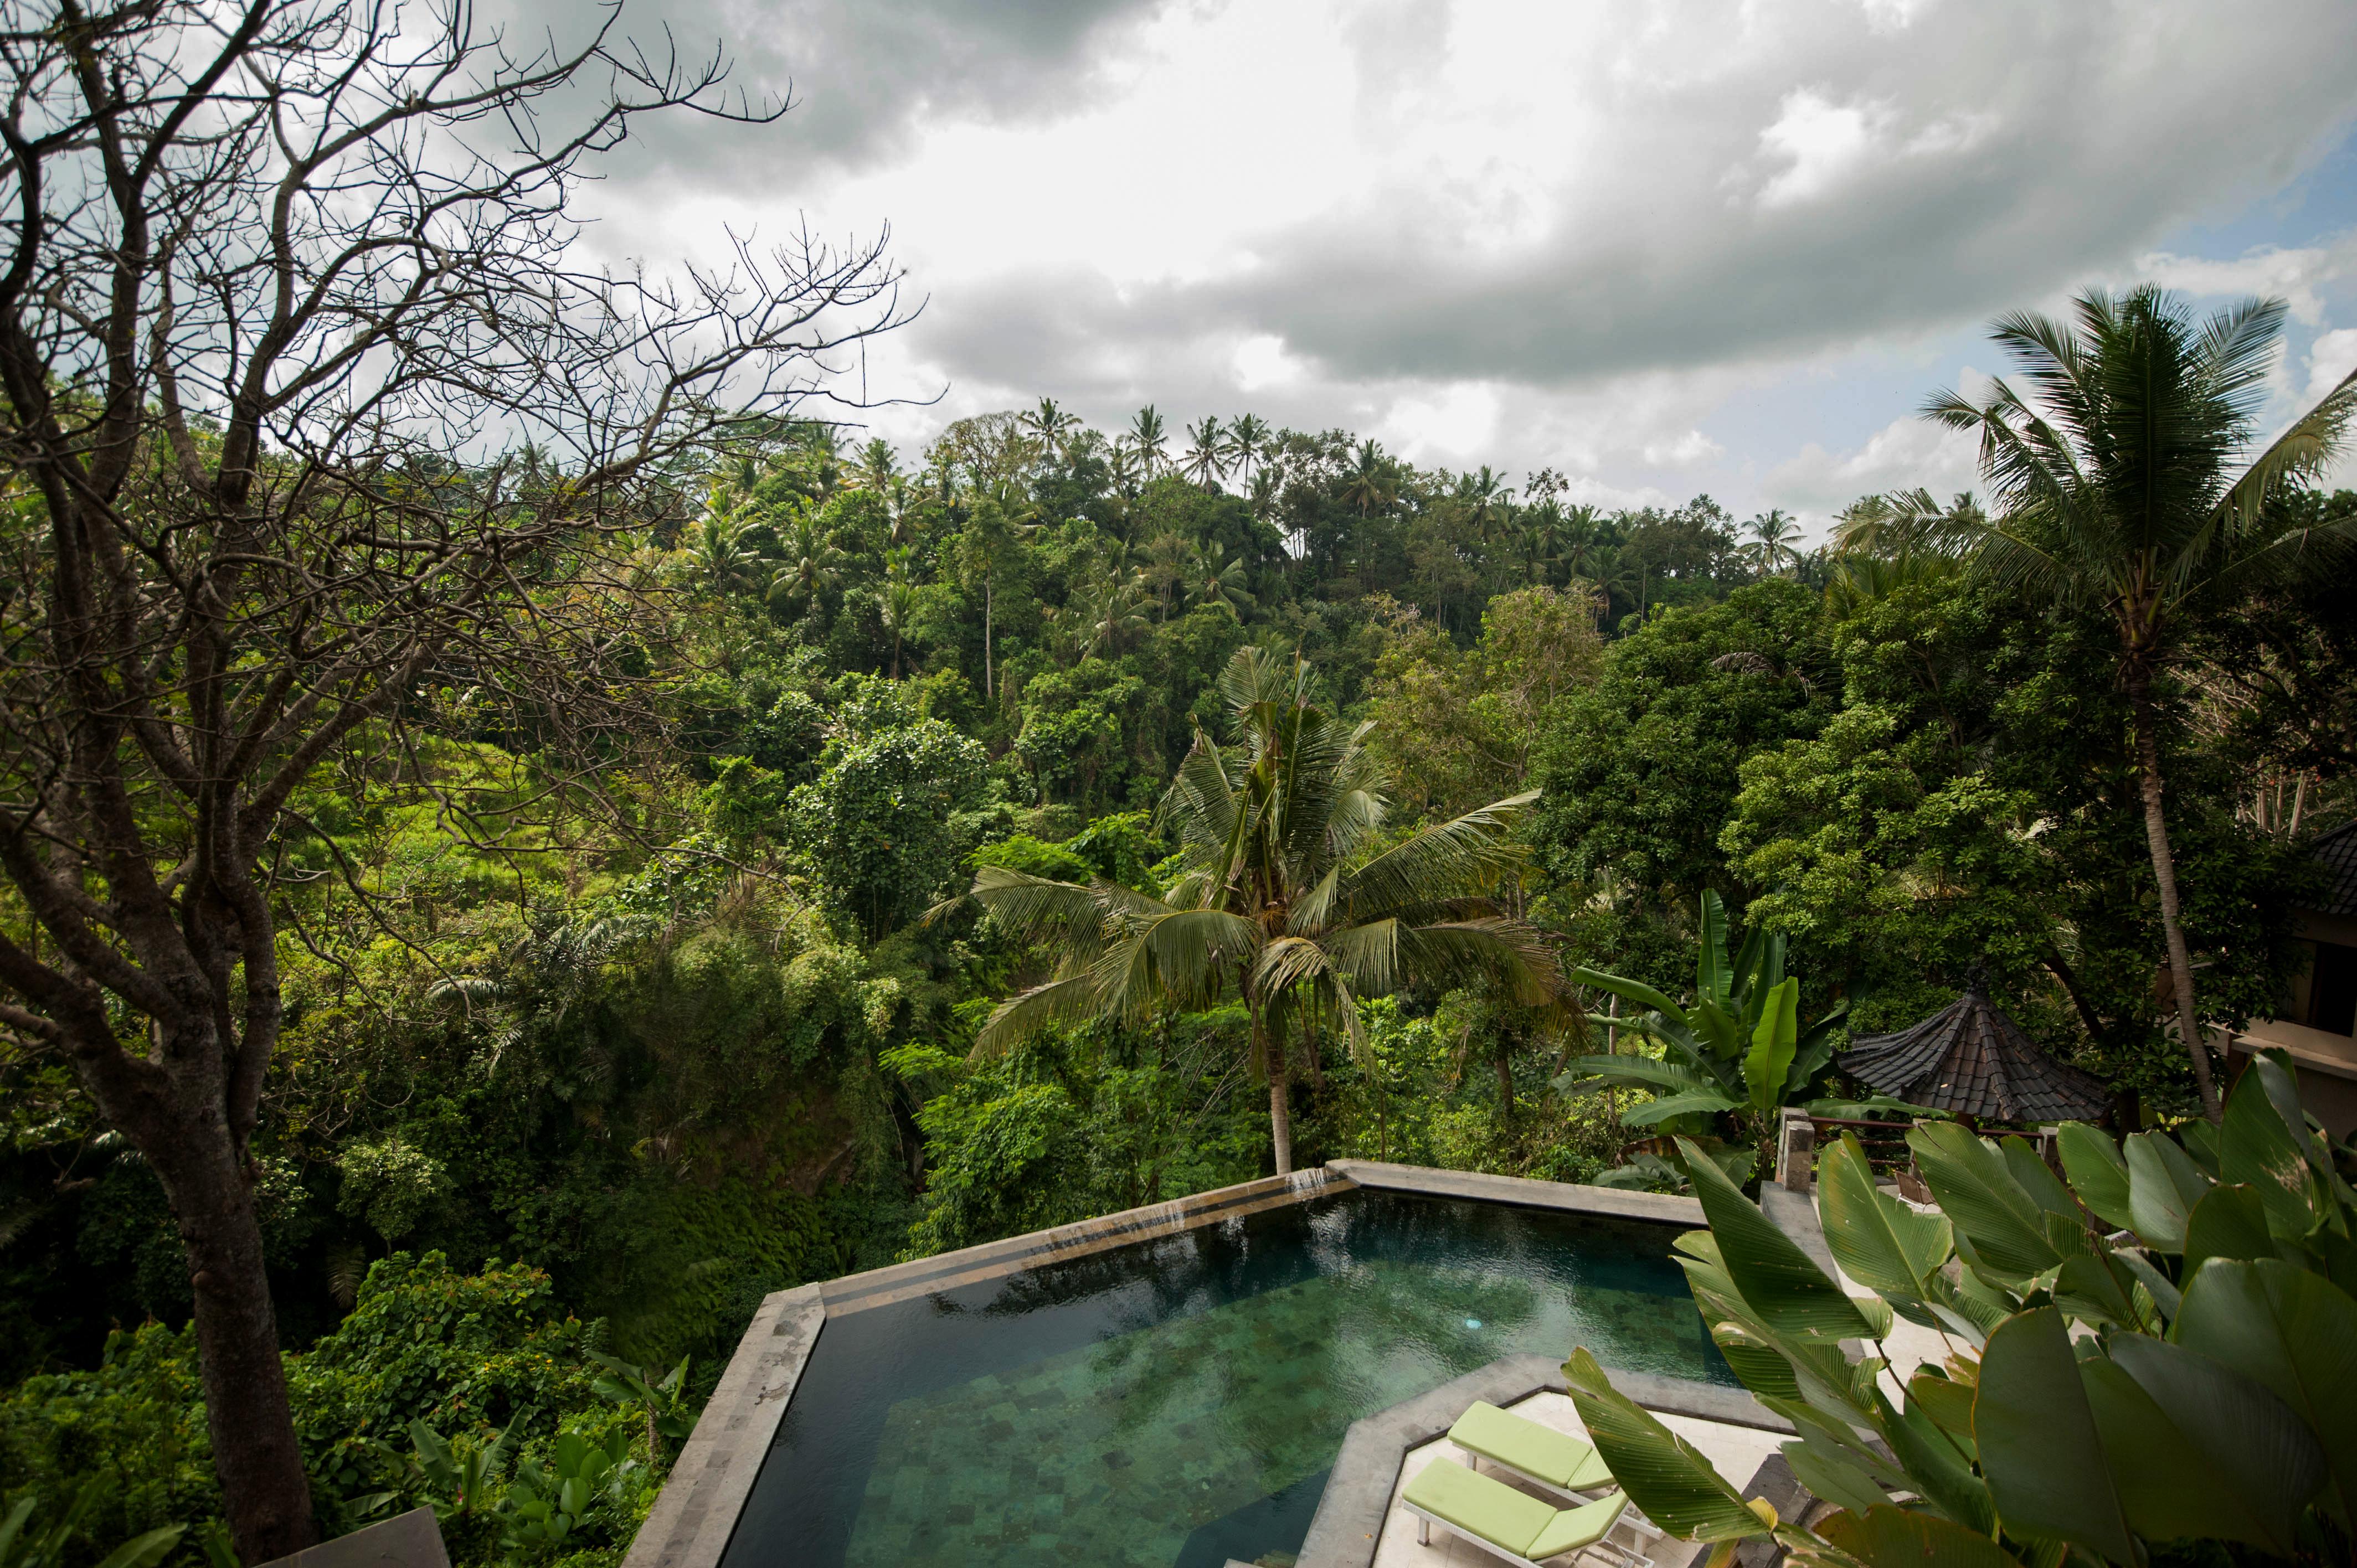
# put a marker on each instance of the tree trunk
(985, 635)
(1505, 1062)
(1280, 1108)
(2164, 871)
(210, 1189)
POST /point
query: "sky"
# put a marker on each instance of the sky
(1665, 249)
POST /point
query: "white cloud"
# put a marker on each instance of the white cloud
(1682, 452)
(1504, 234)
(1906, 453)
(2330, 360)
(2293, 275)
(1821, 142)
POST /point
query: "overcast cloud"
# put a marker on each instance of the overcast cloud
(1665, 248)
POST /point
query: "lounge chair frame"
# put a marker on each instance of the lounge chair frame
(1628, 1556)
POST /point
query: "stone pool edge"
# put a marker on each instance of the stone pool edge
(1348, 1523)
(696, 1512)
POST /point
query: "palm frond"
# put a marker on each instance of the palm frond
(2307, 447)
(1038, 908)
(1175, 956)
(1067, 999)
(1464, 857)
(1509, 951)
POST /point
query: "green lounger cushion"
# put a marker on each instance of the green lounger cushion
(1540, 1452)
(1574, 1527)
(1506, 1517)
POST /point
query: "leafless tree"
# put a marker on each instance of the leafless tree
(284, 283)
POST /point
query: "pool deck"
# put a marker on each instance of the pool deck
(693, 1517)
(1359, 1519)
(1735, 1452)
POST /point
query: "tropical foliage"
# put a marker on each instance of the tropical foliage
(666, 1030)
(1737, 1055)
(1280, 894)
(2152, 1353)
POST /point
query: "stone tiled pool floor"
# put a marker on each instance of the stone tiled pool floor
(1119, 1452)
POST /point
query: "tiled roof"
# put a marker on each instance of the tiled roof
(2336, 853)
(1973, 1060)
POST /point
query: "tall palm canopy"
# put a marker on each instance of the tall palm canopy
(1285, 897)
(1772, 547)
(2130, 480)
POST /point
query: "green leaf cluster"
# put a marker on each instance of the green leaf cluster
(2155, 1350)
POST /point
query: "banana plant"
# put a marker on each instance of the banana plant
(459, 1474)
(2155, 1352)
(1737, 1050)
(24, 1544)
(584, 1483)
(662, 1400)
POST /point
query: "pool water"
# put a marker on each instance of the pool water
(1177, 1402)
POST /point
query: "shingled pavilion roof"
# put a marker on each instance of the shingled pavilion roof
(1973, 1060)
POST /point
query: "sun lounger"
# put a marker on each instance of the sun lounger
(1515, 1525)
(1554, 1460)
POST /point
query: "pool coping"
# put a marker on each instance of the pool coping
(697, 1510)
(1348, 1523)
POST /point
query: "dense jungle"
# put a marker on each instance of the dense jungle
(526, 826)
(599, 1081)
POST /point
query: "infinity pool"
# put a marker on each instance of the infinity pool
(1177, 1402)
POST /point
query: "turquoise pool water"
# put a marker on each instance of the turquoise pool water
(1177, 1402)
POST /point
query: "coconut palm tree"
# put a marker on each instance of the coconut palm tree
(1052, 423)
(2130, 480)
(1002, 517)
(1772, 551)
(1262, 496)
(897, 602)
(1280, 898)
(1207, 456)
(1370, 483)
(1114, 607)
(1218, 578)
(812, 564)
(1148, 440)
(717, 546)
(1166, 562)
(1248, 438)
(1882, 543)
(877, 467)
(1124, 468)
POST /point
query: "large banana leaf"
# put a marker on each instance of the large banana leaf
(2164, 1185)
(1901, 1538)
(2039, 1447)
(2001, 1222)
(1879, 1241)
(1833, 1475)
(1659, 1111)
(2254, 1146)
(1649, 1071)
(2296, 1333)
(1771, 1364)
(2229, 1222)
(1713, 983)
(1636, 990)
(1937, 1466)
(1716, 1030)
(1665, 1476)
(2244, 1466)
(2098, 1174)
(1773, 1042)
(1777, 1282)
(2037, 1178)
